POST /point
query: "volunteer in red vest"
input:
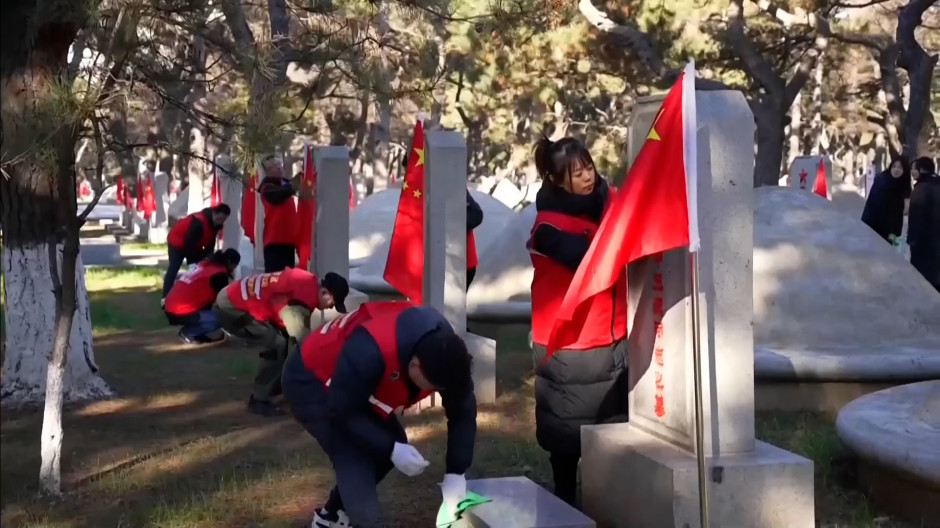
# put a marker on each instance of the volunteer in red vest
(474, 219)
(349, 379)
(272, 310)
(281, 230)
(585, 382)
(189, 303)
(192, 239)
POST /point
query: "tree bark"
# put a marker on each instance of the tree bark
(920, 67)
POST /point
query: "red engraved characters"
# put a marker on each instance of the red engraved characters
(659, 311)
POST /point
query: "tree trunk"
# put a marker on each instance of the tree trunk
(770, 138)
(795, 132)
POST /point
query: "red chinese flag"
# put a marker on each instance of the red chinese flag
(248, 208)
(404, 268)
(654, 211)
(352, 196)
(119, 192)
(140, 195)
(820, 187)
(215, 196)
(306, 208)
(149, 199)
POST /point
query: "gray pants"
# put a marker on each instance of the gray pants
(358, 472)
(273, 340)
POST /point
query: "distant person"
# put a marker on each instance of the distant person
(281, 230)
(585, 382)
(273, 311)
(192, 239)
(884, 208)
(189, 303)
(923, 223)
(350, 377)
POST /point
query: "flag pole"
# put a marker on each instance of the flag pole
(699, 406)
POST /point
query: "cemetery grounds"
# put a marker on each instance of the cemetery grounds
(176, 448)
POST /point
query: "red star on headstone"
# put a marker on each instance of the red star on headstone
(803, 177)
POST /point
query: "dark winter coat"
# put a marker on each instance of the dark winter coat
(575, 387)
(884, 209)
(923, 228)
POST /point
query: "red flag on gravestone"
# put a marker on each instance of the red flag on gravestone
(306, 208)
(248, 208)
(119, 191)
(215, 195)
(404, 268)
(352, 195)
(821, 187)
(140, 195)
(654, 211)
(149, 200)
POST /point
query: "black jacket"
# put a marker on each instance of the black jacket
(191, 249)
(574, 387)
(884, 208)
(474, 213)
(275, 190)
(359, 370)
(923, 228)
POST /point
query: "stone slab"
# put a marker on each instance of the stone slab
(100, 253)
(517, 502)
(509, 312)
(897, 428)
(483, 350)
(894, 361)
(766, 488)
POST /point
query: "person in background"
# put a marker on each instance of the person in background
(280, 234)
(192, 239)
(923, 222)
(884, 208)
(347, 381)
(474, 219)
(189, 303)
(273, 311)
(585, 382)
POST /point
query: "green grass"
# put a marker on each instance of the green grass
(143, 246)
(125, 299)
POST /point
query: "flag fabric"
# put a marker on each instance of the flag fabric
(248, 208)
(306, 208)
(149, 201)
(821, 187)
(119, 192)
(654, 211)
(215, 195)
(404, 268)
(352, 195)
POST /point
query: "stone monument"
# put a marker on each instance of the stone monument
(330, 237)
(230, 187)
(445, 250)
(644, 473)
(161, 192)
(258, 257)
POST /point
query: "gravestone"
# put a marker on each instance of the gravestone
(258, 258)
(803, 172)
(520, 503)
(230, 187)
(330, 237)
(750, 483)
(161, 189)
(445, 250)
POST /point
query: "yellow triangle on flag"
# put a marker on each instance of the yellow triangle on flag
(653, 135)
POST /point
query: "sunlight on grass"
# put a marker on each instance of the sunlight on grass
(109, 278)
(130, 247)
(125, 298)
(155, 402)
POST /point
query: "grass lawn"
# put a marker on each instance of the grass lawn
(143, 246)
(176, 448)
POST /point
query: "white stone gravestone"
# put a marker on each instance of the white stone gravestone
(258, 258)
(230, 187)
(330, 236)
(803, 172)
(644, 473)
(445, 250)
(161, 190)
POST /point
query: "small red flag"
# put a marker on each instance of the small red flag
(306, 208)
(149, 204)
(654, 211)
(821, 187)
(248, 208)
(215, 197)
(119, 192)
(404, 268)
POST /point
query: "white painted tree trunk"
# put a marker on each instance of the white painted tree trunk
(29, 322)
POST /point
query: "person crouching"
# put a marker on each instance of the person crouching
(189, 303)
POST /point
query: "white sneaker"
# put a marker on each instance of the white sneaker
(163, 303)
(323, 519)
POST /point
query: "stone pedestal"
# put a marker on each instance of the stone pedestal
(518, 502)
(750, 484)
(445, 249)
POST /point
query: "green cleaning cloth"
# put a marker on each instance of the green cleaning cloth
(472, 499)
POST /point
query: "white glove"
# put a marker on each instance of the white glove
(408, 460)
(454, 489)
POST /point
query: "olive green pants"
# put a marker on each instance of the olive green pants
(275, 341)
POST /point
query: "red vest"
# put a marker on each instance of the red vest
(471, 251)
(192, 292)
(322, 347)
(280, 222)
(602, 320)
(262, 296)
(177, 235)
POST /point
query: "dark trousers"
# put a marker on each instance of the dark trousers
(278, 257)
(565, 475)
(358, 471)
(272, 340)
(172, 268)
(197, 324)
(471, 273)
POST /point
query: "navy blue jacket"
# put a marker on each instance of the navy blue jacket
(359, 371)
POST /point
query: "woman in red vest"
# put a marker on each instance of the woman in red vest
(271, 310)
(281, 230)
(585, 382)
(349, 379)
(192, 239)
(189, 303)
